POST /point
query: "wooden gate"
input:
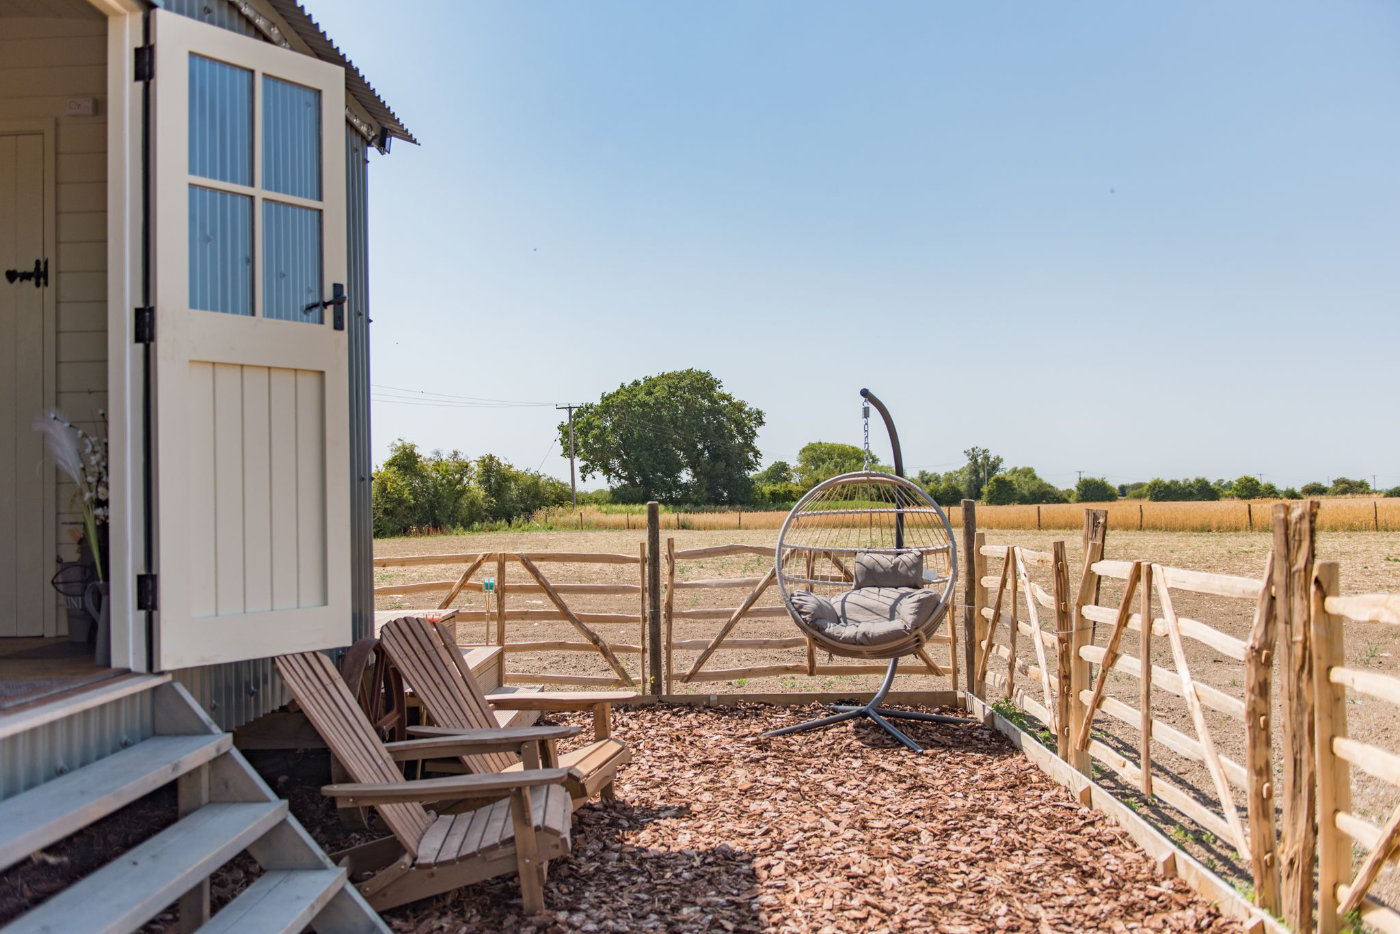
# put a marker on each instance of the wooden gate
(760, 601)
(484, 577)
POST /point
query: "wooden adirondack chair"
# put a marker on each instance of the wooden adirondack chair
(427, 655)
(525, 826)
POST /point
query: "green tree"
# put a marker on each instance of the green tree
(1030, 488)
(1344, 486)
(675, 437)
(776, 472)
(999, 491)
(1167, 491)
(981, 466)
(819, 460)
(945, 489)
(1313, 489)
(1094, 490)
(414, 491)
(509, 493)
(1247, 487)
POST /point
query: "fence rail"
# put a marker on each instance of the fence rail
(751, 607)
(1119, 688)
(497, 608)
(494, 582)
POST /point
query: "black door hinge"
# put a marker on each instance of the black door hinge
(146, 592)
(145, 325)
(145, 62)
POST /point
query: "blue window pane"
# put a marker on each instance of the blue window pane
(291, 139)
(221, 121)
(291, 262)
(221, 251)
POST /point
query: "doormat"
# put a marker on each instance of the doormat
(17, 693)
(63, 649)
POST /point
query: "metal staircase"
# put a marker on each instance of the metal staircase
(225, 809)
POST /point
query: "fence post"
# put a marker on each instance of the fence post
(981, 627)
(1293, 575)
(642, 619)
(669, 611)
(1259, 744)
(1333, 774)
(501, 606)
(655, 684)
(1064, 645)
(969, 594)
(1080, 674)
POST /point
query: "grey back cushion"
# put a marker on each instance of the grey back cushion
(881, 569)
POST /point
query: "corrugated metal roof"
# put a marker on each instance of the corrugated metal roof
(314, 36)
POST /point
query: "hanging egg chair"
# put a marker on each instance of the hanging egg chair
(866, 564)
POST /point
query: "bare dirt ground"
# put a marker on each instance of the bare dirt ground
(1369, 561)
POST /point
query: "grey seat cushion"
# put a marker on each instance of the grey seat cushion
(884, 569)
(867, 615)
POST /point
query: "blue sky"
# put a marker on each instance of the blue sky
(1125, 238)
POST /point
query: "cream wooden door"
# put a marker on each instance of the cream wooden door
(251, 406)
(26, 478)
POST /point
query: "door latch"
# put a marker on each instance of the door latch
(336, 301)
(39, 275)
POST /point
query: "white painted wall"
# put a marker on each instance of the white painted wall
(43, 63)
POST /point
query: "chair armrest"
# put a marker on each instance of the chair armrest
(559, 700)
(442, 789)
(476, 742)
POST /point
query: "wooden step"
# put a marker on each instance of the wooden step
(46, 814)
(133, 888)
(282, 901)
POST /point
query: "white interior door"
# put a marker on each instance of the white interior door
(251, 406)
(26, 478)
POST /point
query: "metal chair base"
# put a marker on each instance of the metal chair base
(875, 712)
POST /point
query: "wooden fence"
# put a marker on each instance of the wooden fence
(499, 581)
(1344, 882)
(760, 601)
(1108, 672)
(500, 607)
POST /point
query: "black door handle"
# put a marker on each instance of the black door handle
(336, 301)
(39, 275)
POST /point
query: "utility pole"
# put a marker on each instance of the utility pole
(1081, 474)
(573, 487)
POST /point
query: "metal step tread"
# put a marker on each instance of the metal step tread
(49, 812)
(133, 888)
(284, 901)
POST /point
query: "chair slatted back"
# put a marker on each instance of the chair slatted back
(427, 655)
(336, 715)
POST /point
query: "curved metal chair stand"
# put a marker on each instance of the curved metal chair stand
(867, 565)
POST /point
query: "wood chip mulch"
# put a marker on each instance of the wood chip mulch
(719, 829)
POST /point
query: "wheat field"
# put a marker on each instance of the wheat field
(1231, 515)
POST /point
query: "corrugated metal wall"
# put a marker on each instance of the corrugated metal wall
(39, 755)
(361, 457)
(236, 693)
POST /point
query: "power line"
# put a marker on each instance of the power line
(547, 452)
(443, 398)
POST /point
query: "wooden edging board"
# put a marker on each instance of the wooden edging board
(797, 698)
(1173, 860)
